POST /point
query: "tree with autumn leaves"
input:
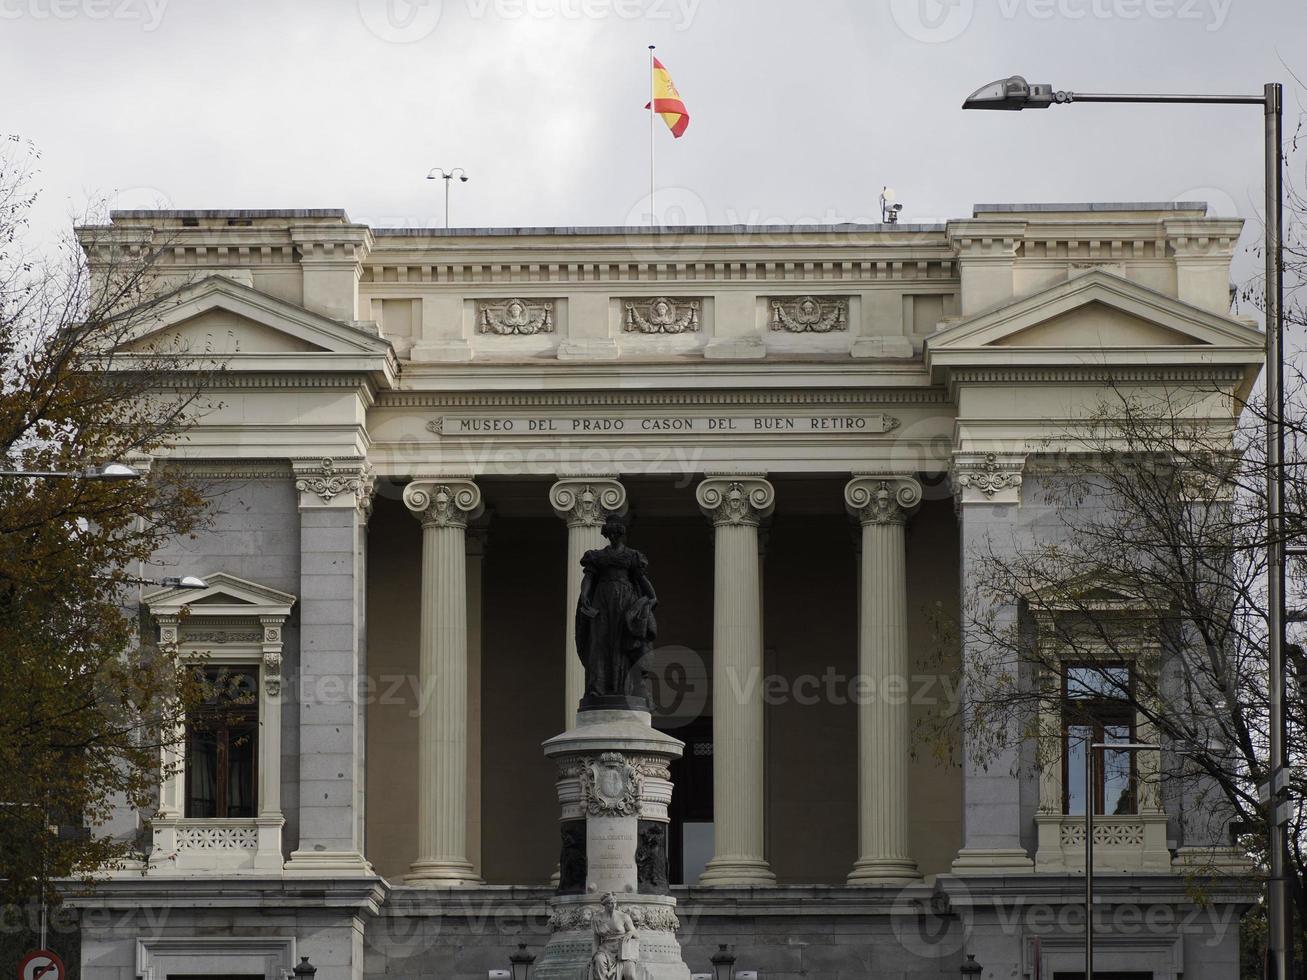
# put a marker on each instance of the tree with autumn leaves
(84, 706)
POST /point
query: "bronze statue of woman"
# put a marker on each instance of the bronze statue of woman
(615, 626)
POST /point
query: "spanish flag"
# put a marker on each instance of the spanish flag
(667, 101)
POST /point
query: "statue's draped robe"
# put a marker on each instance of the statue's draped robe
(613, 946)
(615, 643)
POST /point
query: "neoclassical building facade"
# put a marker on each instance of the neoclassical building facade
(417, 434)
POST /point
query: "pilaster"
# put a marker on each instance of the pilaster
(331, 258)
(335, 499)
(988, 494)
(987, 259)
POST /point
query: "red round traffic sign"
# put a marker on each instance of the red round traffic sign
(43, 964)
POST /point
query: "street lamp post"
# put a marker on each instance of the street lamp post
(448, 177)
(1014, 94)
(1090, 756)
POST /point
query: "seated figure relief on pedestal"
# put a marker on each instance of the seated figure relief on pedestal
(616, 943)
(615, 625)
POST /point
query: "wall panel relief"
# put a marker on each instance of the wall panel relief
(515, 317)
(662, 315)
(810, 314)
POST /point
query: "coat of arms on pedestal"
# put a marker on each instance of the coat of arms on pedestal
(610, 785)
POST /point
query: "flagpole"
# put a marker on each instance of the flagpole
(653, 160)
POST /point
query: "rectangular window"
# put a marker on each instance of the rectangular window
(222, 734)
(1097, 710)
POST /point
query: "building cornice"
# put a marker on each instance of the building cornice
(657, 399)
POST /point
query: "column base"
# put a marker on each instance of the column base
(443, 874)
(992, 861)
(320, 863)
(731, 872)
(870, 872)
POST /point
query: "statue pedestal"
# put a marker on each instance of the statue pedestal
(614, 786)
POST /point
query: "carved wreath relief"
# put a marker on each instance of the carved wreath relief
(810, 314)
(515, 317)
(662, 315)
(658, 918)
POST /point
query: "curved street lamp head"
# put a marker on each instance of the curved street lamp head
(111, 471)
(1011, 95)
(442, 173)
(185, 582)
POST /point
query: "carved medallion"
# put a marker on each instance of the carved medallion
(515, 317)
(610, 786)
(663, 315)
(810, 314)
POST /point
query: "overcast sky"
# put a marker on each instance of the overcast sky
(801, 111)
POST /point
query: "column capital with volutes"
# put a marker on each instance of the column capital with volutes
(444, 501)
(585, 501)
(736, 499)
(877, 499)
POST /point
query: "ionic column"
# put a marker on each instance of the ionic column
(736, 505)
(444, 507)
(882, 506)
(583, 503)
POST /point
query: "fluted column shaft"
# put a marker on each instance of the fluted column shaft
(584, 503)
(444, 507)
(736, 505)
(882, 506)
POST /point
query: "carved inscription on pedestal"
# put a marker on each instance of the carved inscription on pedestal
(610, 854)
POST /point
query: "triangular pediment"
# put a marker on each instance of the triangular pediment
(1097, 324)
(223, 595)
(219, 332)
(223, 317)
(1099, 311)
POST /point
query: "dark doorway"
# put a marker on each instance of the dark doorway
(689, 838)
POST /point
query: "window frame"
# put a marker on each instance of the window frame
(242, 718)
(1099, 718)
